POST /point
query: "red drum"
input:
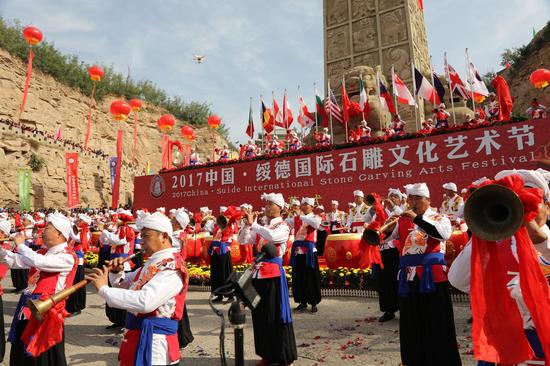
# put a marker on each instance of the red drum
(205, 245)
(344, 250)
(235, 250)
(454, 245)
(193, 247)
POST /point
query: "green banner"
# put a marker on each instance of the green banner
(24, 180)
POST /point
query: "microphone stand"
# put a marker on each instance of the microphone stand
(237, 318)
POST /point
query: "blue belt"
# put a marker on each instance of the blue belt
(148, 327)
(118, 255)
(20, 305)
(218, 244)
(79, 253)
(427, 284)
(310, 257)
(285, 303)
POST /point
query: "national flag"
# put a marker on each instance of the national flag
(305, 118)
(277, 113)
(332, 107)
(403, 94)
(267, 119)
(287, 113)
(385, 99)
(421, 4)
(424, 89)
(250, 127)
(363, 99)
(439, 87)
(505, 101)
(345, 102)
(477, 86)
(454, 80)
(322, 117)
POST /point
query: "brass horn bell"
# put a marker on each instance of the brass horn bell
(221, 221)
(493, 212)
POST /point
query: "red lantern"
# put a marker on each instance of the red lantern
(166, 123)
(96, 73)
(32, 35)
(188, 133)
(214, 121)
(135, 104)
(540, 78)
(120, 110)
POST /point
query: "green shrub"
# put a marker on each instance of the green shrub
(36, 162)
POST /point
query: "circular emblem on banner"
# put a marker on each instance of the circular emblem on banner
(71, 161)
(157, 187)
(113, 163)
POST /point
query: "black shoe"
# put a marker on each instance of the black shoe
(113, 326)
(386, 317)
(300, 307)
(76, 313)
(218, 300)
(313, 309)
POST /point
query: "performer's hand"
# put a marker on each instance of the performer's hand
(410, 214)
(19, 238)
(99, 277)
(249, 218)
(116, 265)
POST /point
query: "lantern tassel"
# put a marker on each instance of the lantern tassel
(135, 137)
(116, 185)
(27, 81)
(89, 130)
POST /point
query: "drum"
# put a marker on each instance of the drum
(454, 245)
(344, 250)
(194, 248)
(204, 251)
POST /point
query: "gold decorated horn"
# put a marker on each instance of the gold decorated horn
(370, 200)
(372, 236)
(493, 212)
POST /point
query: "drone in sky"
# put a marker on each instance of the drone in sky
(199, 59)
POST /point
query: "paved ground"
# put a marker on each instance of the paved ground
(343, 332)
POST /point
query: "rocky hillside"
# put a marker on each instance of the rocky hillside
(51, 105)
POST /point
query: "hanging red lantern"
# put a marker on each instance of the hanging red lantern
(135, 104)
(540, 78)
(120, 110)
(188, 133)
(32, 35)
(166, 123)
(96, 73)
(214, 121)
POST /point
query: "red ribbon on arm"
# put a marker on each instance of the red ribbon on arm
(27, 81)
(89, 129)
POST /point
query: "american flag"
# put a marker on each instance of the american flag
(332, 107)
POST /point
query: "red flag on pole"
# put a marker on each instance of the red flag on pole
(71, 161)
(505, 102)
(345, 103)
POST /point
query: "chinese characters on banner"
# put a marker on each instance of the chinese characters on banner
(459, 157)
(71, 161)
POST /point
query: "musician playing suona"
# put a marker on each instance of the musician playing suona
(426, 323)
(51, 270)
(306, 278)
(511, 268)
(5, 228)
(153, 296)
(221, 265)
(77, 301)
(273, 330)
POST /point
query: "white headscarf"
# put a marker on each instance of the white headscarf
(358, 193)
(87, 219)
(5, 226)
(61, 223)
(182, 217)
(308, 201)
(531, 178)
(334, 202)
(395, 191)
(418, 189)
(276, 198)
(450, 186)
(156, 221)
(28, 217)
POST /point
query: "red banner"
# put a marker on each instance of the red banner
(116, 185)
(460, 157)
(71, 161)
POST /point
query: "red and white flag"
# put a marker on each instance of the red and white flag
(305, 118)
(287, 113)
(403, 94)
(477, 86)
(424, 89)
(277, 113)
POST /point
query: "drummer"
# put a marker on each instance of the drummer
(356, 217)
(335, 218)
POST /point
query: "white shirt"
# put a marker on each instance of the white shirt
(157, 294)
(176, 242)
(54, 260)
(357, 214)
(113, 239)
(276, 233)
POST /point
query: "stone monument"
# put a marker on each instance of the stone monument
(377, 34)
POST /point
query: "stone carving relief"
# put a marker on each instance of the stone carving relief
(336, 11)
(399, 57)
(368, 59)
(362, 8)
(338, 43)
(393, 27)
(388, 4)
(335, 71)
(364, 34)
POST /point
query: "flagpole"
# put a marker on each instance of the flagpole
(379, 98)
(362, 107)
(250, 115)
(433, 82)
(344, 112)
(450, 87)
(330, 115)
(470, 80)
(417, 105)
(300, 113)
(393, 90)
(316, 113)
(262, 121)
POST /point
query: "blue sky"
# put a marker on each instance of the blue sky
(253, 47)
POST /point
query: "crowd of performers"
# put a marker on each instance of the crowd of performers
(507, 280)
(440, 119)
